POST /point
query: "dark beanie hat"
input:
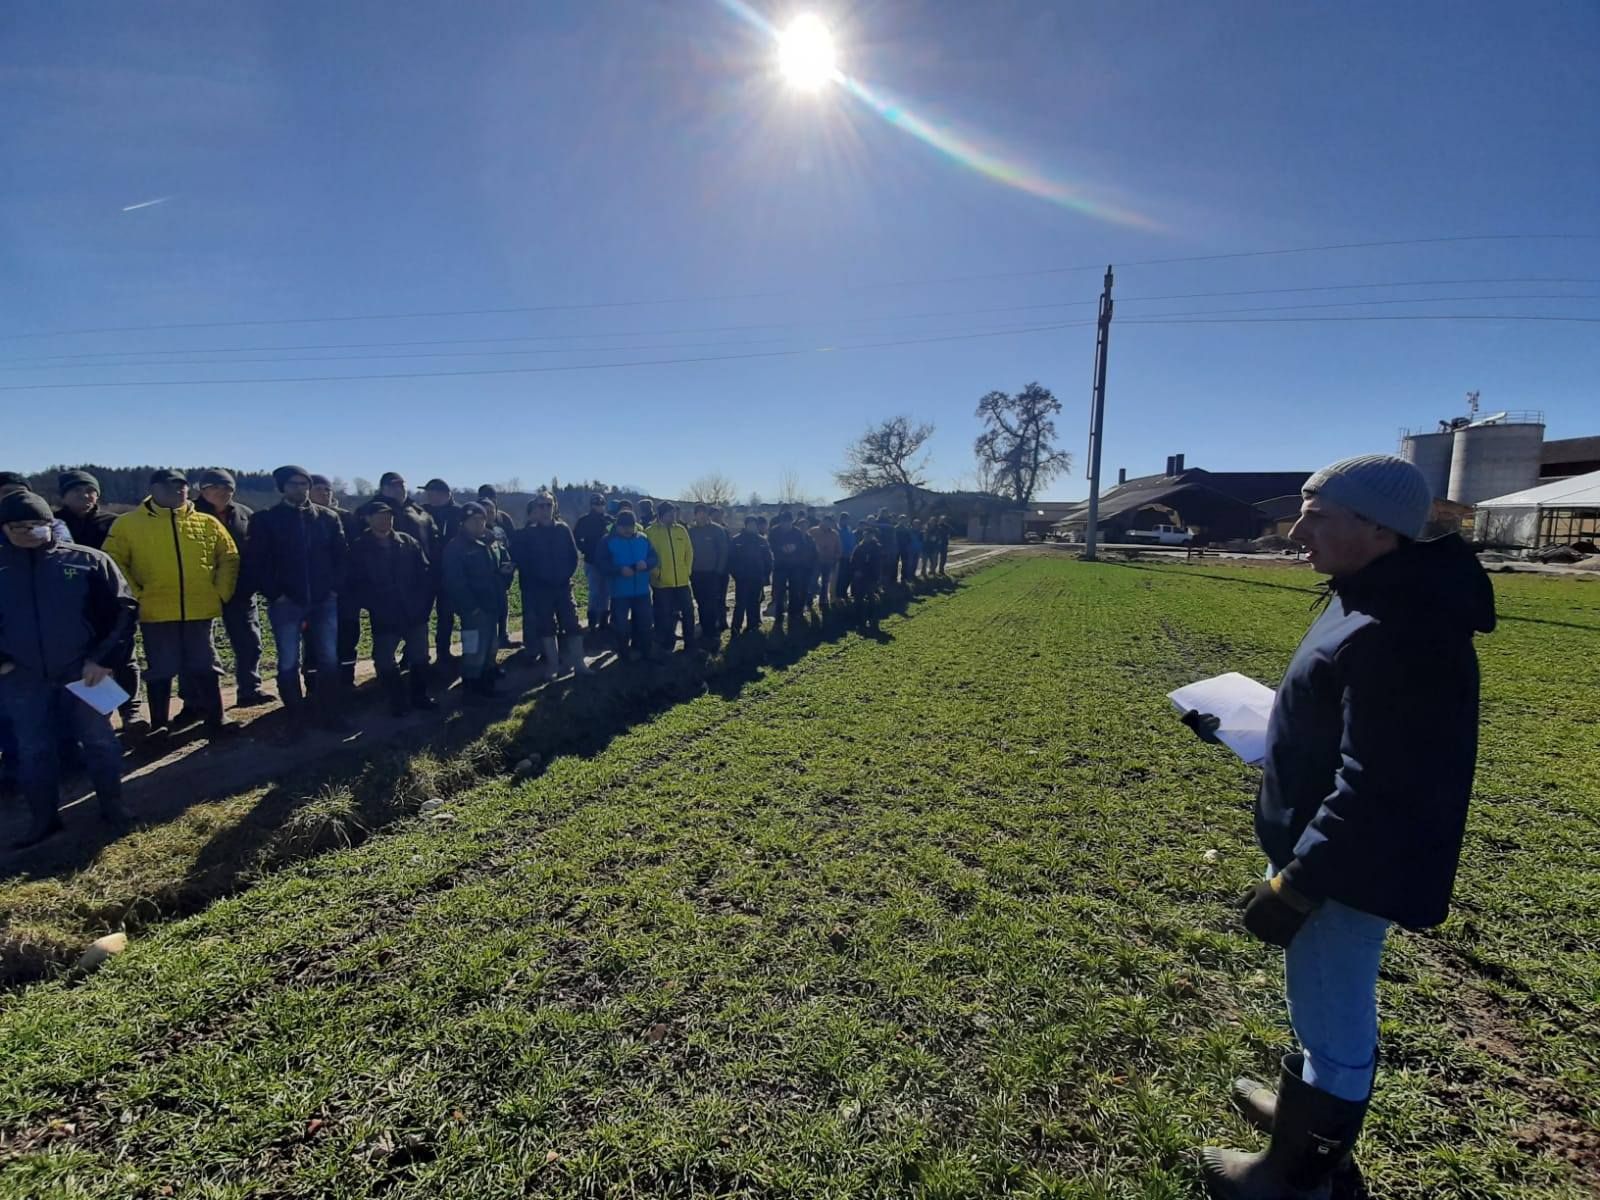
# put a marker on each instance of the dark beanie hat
(217, 476)
(321, 481)
(12, 479)
(24, 506)
(473, 509)
(389, 477)
(625, 517)
(68, 480)
(486, 491)
(283, 474)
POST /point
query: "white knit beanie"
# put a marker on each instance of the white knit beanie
(1386, 490)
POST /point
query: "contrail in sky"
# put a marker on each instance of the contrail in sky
(146, 203)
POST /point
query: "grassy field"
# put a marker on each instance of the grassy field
(934, 915)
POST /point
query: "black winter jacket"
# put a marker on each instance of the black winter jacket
(750, 558)
(546, 555)
(472, 577)
(60, 605)
(589, 531)
(297, 553)
(791, 547)
(88, 530)
(391, 579)
(1374, 734)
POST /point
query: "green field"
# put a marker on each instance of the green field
(932, 915)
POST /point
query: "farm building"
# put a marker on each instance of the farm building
(1216, 505)
(1552, 514)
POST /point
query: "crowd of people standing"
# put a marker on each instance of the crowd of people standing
(77, 582)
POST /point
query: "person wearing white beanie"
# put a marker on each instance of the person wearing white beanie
(1365, 784)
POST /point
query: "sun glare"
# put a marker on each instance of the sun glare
(805, 53)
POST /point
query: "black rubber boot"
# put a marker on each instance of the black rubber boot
(420, 700)
(294, 705)
(1312, 1135)
(207, 691)
(159, 693)
(331, 697)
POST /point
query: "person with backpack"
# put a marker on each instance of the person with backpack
(750, 564)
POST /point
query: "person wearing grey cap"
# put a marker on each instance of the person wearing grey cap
(66, 615)
(1366, 779)
(240, 618)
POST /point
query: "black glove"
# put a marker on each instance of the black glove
(1274, 912)
(1204, 725)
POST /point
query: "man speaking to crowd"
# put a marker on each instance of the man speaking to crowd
(1369, 761)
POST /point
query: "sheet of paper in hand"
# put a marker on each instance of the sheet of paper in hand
(104, 697)
(1241, 706)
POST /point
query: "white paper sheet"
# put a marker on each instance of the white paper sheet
(104, 697)
(1241, 705)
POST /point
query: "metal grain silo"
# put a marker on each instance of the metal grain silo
(1495, 456)
(1430, 453)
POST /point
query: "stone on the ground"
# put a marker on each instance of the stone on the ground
(101, 949)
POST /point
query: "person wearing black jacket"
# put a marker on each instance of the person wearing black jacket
(791, 557)
(387, 574)
(89, 524)
(410, 518)
(750, 564)
(446, 516)
(66, 615)
(546, 557)
(347, 631)
(294, 557)
(588, 533)
(501, 527)
(239, 617)
(1371, 746)
(473, 571)
(866, 573)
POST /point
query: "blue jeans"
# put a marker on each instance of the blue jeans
(39, 712)
(1331, 976)
(599, 591)
(321, 621)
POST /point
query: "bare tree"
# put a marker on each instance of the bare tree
(363, 487)
(789, 488)
(754, 501)
(1015, 449)
(713, 488)
(888, 455)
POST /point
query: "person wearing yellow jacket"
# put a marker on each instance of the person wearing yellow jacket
(669, 582)
(183, 567)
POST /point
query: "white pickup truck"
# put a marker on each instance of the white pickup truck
(1161, 535)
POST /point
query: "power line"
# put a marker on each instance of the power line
(228, 362)
(1200, 319)
(656, 362)
(43, 361)
(640, 303)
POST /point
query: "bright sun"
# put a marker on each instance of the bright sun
(805, 53)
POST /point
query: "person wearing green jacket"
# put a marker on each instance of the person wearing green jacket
(473, 571)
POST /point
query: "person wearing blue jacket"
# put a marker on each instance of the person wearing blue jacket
(847, 547)
(546, 556)
(1363, 803)
(628, 558)
(66, 615)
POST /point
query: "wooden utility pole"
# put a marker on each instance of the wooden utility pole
(1097, 416)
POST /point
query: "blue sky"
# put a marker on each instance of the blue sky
(348, 160)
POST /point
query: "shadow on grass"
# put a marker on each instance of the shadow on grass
(357, 787)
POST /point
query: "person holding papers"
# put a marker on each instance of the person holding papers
(66, 618)
(1366, 775)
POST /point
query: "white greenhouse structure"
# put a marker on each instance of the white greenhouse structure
(1552, 514)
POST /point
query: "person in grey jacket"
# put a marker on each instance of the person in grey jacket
(66, 615)
(709, 579)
